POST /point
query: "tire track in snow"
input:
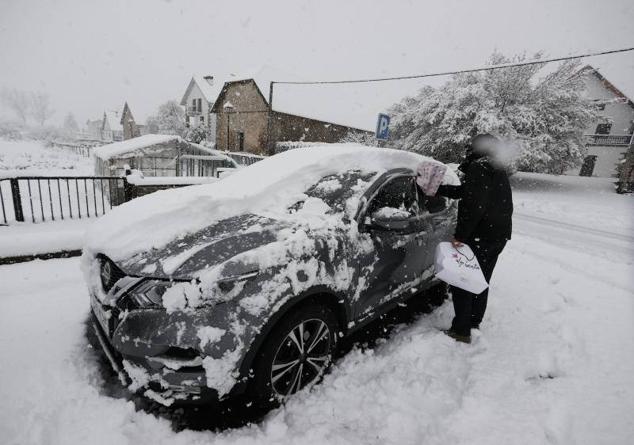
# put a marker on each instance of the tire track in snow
(575, 237)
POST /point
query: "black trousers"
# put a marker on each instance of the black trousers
(469, 308)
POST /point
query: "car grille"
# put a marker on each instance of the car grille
(109, 273)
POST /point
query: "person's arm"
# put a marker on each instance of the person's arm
(450, 191)
(475, 196)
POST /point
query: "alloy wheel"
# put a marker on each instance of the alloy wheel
(302, 357)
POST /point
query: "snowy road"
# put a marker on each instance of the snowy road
(554, 363)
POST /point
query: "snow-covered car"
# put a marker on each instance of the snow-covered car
(247, 284)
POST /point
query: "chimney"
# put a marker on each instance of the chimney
(209, 79)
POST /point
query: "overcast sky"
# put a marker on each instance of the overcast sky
(93, 55)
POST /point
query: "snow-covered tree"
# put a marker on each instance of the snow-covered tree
(169, 119)
(41, 109)
(70, 124)
(17, 101)
(544, 116)
(196, 134)
(357, 137)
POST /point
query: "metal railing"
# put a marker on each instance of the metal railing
(608, 139)
(40, 198)
(243, 158)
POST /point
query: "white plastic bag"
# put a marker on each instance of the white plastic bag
(459, 267)
(429, 176)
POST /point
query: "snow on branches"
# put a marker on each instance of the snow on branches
(544, 115)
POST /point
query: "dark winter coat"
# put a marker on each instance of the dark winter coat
(486, 203)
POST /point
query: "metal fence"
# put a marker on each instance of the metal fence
(40, 198)
(608, 139)
(243, 158)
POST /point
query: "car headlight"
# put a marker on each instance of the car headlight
(227, 284)
(149, 293)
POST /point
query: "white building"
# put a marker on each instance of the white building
(111, 128)
(198, 99)
(607, 138)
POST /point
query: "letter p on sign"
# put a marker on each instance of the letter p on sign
(383, 127)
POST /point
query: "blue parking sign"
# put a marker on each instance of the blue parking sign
(383, 127)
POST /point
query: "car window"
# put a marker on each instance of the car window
(398, 193)
(336, 190)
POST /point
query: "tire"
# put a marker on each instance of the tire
(281, 369)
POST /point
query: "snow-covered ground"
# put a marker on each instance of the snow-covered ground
(30, 239)
(553, 363)
(33, 158)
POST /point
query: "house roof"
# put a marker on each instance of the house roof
(210, 92)
(327, 103)
(588, 69)
(126, 109)
(113, 119)
(129, 147)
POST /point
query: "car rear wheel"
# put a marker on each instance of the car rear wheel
(296, 354)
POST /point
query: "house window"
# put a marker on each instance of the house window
(240, 140)
(603, 128)
(202, 119)
(199, 106)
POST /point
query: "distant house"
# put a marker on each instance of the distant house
(198, 99)
(130, 128)
(159, 155)
(608, 138)
(92, 130)
(111, 128)
(246, 122)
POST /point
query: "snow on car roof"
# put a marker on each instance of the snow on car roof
(106, 152)
(267, 186)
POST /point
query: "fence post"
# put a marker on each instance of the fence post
(17, 199)
(129, 190)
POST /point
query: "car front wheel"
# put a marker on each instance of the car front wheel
(296, 354)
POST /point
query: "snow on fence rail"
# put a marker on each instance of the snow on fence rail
(243, 158)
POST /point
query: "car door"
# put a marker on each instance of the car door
(396, 261)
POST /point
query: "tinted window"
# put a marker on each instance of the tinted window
(399, 193)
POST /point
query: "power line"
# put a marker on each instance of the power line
(447, 73)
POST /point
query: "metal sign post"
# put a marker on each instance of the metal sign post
(383, 127)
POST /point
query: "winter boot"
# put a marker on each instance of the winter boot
(458, 337)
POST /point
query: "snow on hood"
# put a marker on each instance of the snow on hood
(271, 185)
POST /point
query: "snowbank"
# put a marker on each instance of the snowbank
(30, 239)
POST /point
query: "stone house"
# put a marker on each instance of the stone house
(246, 122)
(609, 137)
(200, 95)
(130, 128)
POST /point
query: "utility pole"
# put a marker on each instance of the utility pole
(270, 144)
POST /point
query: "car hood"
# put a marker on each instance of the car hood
(186, 256)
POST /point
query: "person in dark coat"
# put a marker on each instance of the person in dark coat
(484, 224)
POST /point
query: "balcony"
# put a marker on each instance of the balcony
(192, 111)
(608, 140)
